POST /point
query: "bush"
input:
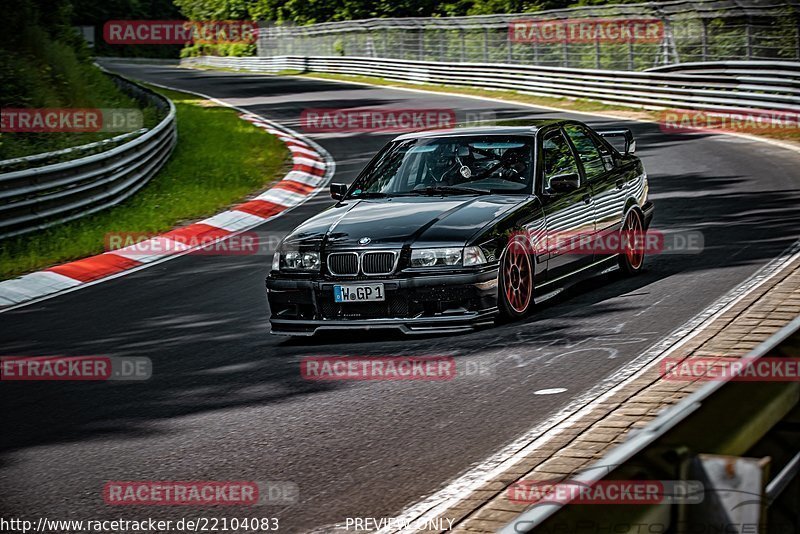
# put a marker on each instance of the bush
(51, 67)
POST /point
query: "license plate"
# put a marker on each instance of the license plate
(359, 293)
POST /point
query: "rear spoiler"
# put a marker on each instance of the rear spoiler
(630, 142)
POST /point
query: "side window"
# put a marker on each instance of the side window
(593, 162)
(557, 156)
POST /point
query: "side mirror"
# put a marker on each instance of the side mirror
(627, 135)
(564, 183)
(338, 191)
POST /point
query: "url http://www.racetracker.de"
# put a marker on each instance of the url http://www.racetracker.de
(149, 525)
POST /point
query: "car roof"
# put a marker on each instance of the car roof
(519, 127)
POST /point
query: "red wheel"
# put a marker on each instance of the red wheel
(632, 240)
(516, 281)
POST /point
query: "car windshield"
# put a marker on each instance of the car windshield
(449, 165)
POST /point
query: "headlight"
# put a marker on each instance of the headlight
(438, 257)
(294, 260)
(474, 256)
(276, 261)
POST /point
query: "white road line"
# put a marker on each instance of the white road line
(551, 391)
(438, 503)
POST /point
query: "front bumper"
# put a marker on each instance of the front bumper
(441, 303)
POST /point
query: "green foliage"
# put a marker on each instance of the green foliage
(97, 12)
(214, 9)
(223, 49)
(45, 64)
(314, 11)
(219, 160)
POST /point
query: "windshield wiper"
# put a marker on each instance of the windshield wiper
(443, 190)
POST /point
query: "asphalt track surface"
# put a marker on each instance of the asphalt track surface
(226, 400)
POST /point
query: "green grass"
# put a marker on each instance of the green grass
(219, 160)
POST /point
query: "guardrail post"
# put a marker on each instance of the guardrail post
(597, 51)
(421, 43)
(748, 28)
(565, 54)
(797, 37)
(509, 47)
(631, 63)
(463, 44)
(705, 38)
(486, 45)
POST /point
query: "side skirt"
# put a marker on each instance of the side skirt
(552, 288)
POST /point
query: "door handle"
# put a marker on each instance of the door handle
(587, 199)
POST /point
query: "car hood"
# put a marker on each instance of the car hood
(396, 221)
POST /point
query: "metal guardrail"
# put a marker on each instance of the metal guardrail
(34, 199)
(693, 30)
(773, 85)
(255, 64)
(730, 418)
(139, 60)
(43, 157)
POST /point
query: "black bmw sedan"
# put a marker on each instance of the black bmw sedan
(447, 230)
